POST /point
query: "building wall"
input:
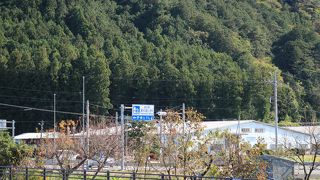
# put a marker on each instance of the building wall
(252, 131)
(278, 168)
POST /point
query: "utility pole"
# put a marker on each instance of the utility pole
(184, 117)
(88, 129)
(116, 122)
(122, 136)
(117, 118)
(83, 97)
(83, 115)
(41, 130)
(125, 135)
(54, 120)
(161, 114)
(160, 134)
(184, 133)
(275, 85)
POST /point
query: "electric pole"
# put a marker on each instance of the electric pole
(88, 149)
(160, 123)
(83, 115)
(184, 117)
(125, 135)
(83, 97)
(116, 122)
(54, 120)
(276, 107)
(41, 128)
(122, 136)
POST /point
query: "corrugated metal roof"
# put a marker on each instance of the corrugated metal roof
(222, 124)
(25, 136)
(106, 131)
(305, 129)
(206, 124)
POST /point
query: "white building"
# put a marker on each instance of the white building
(312, 130)
(34, 138)
(251, 130)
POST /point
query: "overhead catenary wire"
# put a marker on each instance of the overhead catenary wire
(49, 110)
(172, 99)
(241, 80)
(17, 98)
(42, 91)
(47, 100)
(38, 109)
(100, 106)
(35, 99)
(166, 99)
(127, 79)
(153, 99)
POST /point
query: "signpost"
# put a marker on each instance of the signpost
(3, 124)
(142, 112)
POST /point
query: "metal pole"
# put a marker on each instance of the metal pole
(126, 136)
(108, 175)
(122, 136)
(41, 131)
(184, 127)
(84, 174)
(27, 174)
(117, 117)
(116, 121)
(83, 115)
(83, 97)
(64, 174)
(44, 174)
(133, 175)
(54, 120)
(13, 128)
(160, 123)
(276, 107)
(184, 117)
(88, 114)
(11, 173)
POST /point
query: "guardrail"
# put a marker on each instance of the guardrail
(26, 173)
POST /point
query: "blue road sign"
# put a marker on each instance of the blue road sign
(142, 112)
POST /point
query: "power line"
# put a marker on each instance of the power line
(34, 90)
(157, 80)
(192, 80)
(41, 99)
(38, 109)
(23, 97)
(49, 110)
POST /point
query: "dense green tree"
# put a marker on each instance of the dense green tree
(296, 53)
(12, 153)
(217, 56)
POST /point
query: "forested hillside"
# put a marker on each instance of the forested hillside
(218, 56)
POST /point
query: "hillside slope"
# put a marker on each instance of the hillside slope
(218, 56)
